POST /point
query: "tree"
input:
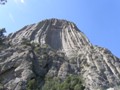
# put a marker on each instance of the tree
(2, 31)
(2, 2)
(2, 36)
(26, 41)
(72, 82)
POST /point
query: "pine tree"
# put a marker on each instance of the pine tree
(2, 36)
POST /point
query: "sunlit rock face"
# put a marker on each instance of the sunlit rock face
(58, 34)
(71, 53)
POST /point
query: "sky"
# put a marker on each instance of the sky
(99, 20)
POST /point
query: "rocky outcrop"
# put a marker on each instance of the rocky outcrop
(57, 48)
(16, 68)
(59, 34)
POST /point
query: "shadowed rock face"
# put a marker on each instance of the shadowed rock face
(74, 54)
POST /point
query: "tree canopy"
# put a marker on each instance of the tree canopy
(2, 31)
(2, 36)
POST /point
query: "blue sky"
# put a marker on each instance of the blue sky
(98, 19)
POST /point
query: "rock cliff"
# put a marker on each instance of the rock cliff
(55, 48)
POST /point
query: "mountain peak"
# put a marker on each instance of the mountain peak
(55, 50)
(58, 34)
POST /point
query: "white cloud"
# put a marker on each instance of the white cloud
(22, 1)
(19, 1)
(11, 18)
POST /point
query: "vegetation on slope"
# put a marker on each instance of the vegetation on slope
(72, 82)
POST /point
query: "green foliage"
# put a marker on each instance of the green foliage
(69, 30)
(2, 36)
(2, 31)
(1, 85)
(26, 42)
(78, 87)
(72, 82)
(31, 84)
(37, 49)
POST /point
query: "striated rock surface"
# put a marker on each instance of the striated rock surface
(56, 48)
(58, 34)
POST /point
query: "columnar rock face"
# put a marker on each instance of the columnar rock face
(59, 34)
(69, 53)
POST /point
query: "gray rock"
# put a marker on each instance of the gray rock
(70, 52)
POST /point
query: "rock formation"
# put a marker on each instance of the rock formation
(56, 48)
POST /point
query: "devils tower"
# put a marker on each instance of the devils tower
(56, 48)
